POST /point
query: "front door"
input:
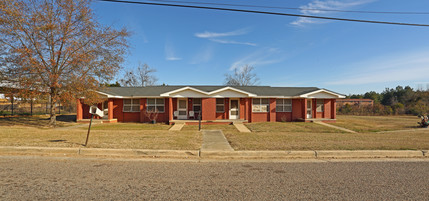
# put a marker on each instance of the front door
(234, 111)
(105, 107)
(309, 109)
(182, 107)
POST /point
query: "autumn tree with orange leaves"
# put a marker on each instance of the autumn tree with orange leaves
(57, 47)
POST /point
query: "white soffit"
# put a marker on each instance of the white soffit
(322, 94)
(220, 93)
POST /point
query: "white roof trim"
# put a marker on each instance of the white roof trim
(207, 93)
(183, 89)
(233, 89)
(321, 90)
(102, 93)
(112, 96)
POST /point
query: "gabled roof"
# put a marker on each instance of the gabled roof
(248, 91)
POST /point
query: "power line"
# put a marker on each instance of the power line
(268, 13)
(293, 8)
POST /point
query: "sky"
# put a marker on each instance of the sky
(198, 47)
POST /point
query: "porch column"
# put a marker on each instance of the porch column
(79, 110)
(142, 109)
(170, 109)
(226, 108)
(110, 109)
(333, 109)
(304, 109)
(314, 108)
(208, 107)
(249, 104)
(272, 110)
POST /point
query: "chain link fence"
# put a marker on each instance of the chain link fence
(17, 106)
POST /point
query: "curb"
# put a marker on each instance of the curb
(198, 154)
(99, 152)
(258, 154)
(371, 154)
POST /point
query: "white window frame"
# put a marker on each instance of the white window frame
(260, 105)
(283, 105)
(322, 109)
(131, 105)
(156, 105)
(222, 104)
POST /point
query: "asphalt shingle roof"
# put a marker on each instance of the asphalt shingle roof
(158, 90)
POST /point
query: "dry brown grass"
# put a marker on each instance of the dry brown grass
(264, 136)
(130, 126)
(309, 136)
(376, 123)
(128, 139)
(38, 121)
(222, 127)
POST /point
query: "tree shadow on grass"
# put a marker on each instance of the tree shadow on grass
(72, 144)
(41, 121)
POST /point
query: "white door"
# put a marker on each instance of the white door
(309, 109)
(182, 107)
(234, 111)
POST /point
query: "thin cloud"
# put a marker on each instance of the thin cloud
(219, 37)
(312, 9)
(170, 53)
(407, 67)
(231, 42)
(208, 34)
(259, 58)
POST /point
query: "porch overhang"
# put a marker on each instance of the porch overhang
(190, 92)
(322, 94)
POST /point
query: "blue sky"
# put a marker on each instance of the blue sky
(193, 46)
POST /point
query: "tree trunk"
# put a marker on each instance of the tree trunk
(53, 117)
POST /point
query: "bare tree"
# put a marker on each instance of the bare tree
(57, 47)
(243, 76)
(143, 77)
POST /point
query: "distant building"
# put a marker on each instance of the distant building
(359, 102)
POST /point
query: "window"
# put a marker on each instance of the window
(260, 105)
(155, 104)
(283, 105)
(220, 105)
(320, 105)
(131, 105)
(196, 103)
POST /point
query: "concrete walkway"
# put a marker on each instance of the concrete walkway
(336, 127)
(242, 128)
(214, 140)
(176, 127)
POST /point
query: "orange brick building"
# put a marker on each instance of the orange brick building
(214, 104)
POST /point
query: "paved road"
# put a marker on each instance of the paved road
(39, 178)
